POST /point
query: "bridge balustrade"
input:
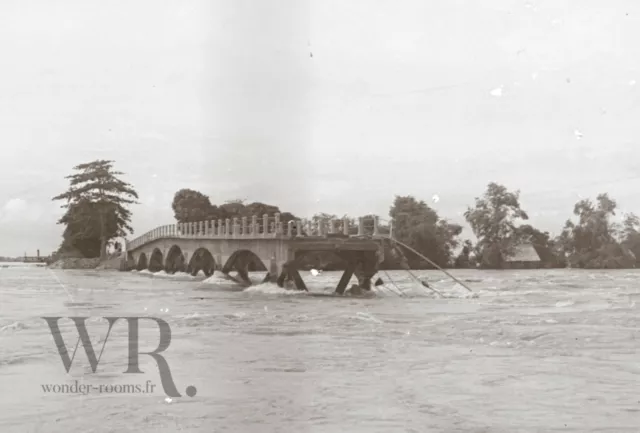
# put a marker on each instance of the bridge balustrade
(256, 228)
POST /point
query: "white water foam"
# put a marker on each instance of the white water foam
(272, 289)
(216, 279)
(165, 275)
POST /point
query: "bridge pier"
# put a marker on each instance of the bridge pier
(290, 272)
(364, 265)
(262, 243)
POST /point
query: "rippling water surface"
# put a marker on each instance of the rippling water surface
(534, 351)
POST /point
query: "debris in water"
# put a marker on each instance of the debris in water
(578, 134)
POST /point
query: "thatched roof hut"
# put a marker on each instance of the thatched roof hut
(524, 256)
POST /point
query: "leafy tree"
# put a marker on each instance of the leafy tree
(97, 200)
(464, 259)
(233, 209)
(493, 222)
(258, 209)
(192, 206)
(592, 242)
(630, 236)
(81, 237)
(420, 227)
(287, 216)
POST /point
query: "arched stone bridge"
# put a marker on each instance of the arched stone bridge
(264, 243)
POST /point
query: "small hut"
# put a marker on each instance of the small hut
(524, 256)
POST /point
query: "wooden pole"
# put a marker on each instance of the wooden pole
(432, 263)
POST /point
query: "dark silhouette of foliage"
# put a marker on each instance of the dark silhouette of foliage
(493, 221)
(96, 204)
(420, 227)
(496, 220)
(192, 206)
(593, 241)
(630, 236)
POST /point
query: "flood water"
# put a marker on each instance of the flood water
(535, 351)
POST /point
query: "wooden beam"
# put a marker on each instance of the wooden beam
(346, 277)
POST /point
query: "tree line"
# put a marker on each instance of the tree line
(97, 212)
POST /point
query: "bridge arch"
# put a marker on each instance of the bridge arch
(201, 259)
(244, 259)
(156, 263)
(142, 262)
(175, 261)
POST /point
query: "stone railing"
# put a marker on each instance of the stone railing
(254, 228)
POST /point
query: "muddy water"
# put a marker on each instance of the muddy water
(536, 351)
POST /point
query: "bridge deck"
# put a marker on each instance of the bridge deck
(360, 252)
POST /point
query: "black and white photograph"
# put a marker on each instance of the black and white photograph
(319, 216)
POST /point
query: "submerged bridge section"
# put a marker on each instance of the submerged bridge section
(264, 243)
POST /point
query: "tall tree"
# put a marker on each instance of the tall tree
(419, 226)
(97, 183)
(593, 241)
(81, 237)
(492, 220)
(192, 206)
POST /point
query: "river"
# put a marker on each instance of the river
(532, 351)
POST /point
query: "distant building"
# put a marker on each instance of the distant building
(524, 257)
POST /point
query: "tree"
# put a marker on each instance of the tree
(593, 241)
(81, 237)
(233, 209)
(258, 209)
(464, 259)
(630, 236)
(192, 206)
(493, 222)
(97, 200)
(287, 216)
(420, 227)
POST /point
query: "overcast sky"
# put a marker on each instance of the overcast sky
(318, 106)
